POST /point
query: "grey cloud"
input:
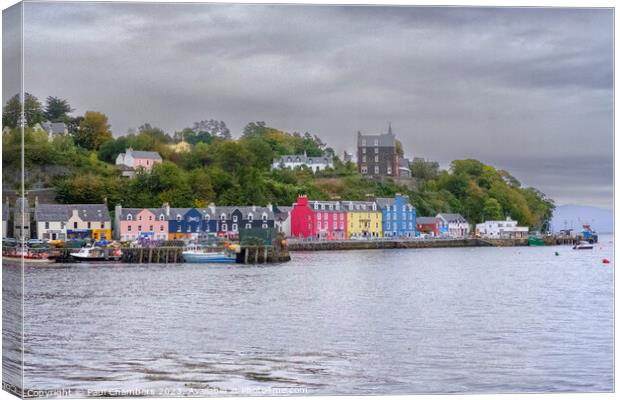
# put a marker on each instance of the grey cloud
(497, 84)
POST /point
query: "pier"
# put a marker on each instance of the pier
(402, 244)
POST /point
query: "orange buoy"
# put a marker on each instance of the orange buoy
(605, 261)
(283, 243)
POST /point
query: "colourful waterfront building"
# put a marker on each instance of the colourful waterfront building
(232, 219)
(303, 219)
(398, 217)
(136, 223)
(191, 223)
(331, 220)
(427, 225)
(364, 219)
(452, 225)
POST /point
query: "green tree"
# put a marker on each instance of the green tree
(492, 210)
(33, 111)
(423, 169)
(57, 109)
(94, 131)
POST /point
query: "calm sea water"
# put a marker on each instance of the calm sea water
(358, 322)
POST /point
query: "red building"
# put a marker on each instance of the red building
(324, 220)
(303, 219)
(427, 225)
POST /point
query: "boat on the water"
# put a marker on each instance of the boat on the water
(197, 254)
(96, 253)
(25, 254)
(535, 240)
(583, 245)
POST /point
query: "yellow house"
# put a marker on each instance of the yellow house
(364, 219)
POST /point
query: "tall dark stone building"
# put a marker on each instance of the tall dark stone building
(376, 154)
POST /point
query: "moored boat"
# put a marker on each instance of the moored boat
(583, 245)
(96, 253)
(196, 254)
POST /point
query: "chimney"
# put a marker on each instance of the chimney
(270, 207)
(105, 201)
(36, 201)
(254, 208)
(166, 207)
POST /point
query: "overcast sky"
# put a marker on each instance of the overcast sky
(529, 90)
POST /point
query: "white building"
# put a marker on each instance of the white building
(452, 225)
(297, 160)
(282, 220)
(501, 229)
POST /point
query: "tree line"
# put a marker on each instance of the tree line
(212, 166)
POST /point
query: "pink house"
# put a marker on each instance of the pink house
(134, 223)
(135, 159)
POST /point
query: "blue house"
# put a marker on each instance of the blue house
(191, 223)
(398, 217)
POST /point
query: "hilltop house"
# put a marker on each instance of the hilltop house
(506, 229)
(376, 154)
(297, 160)
(52, 128)
(132, 160)
(398, 216)
(452, 225)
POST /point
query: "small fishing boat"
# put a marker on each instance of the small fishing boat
(197, 254)
(583, 245)
(96, 253)
(535, 240)
(27, 255)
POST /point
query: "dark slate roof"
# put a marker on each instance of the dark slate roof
(136, 211)
(335, 205)
(359, 205)
(283, 209)
(404, 163)
(62, 212)
(452, 217)
(52, 212)
(302, 158)
(91, 212)
(385, 202)
(54, 127)
(384, 140)
(152, 155)
(425, 220)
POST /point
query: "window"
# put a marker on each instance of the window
(389, 170)
(150, 217)
(364, 169)
(139, 228)
(363, 158)
(264, 226)
(139, 217)
(363, 142)
(264, 217)
(376, 150)
(129, 228)
(250, 217)
(376, 158)
(376, 142)
(178, 217)
(179, 228)
(88, 225)
(234, 227)
(248, 225)
(207, 217)
(234, 218)
(376, 169)
(363, 150)
(224, 227)
(319, 216)
(161, 228)
(223, 217)
(387, 225)
(151, 228)
(161, 217)
(129, 217)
